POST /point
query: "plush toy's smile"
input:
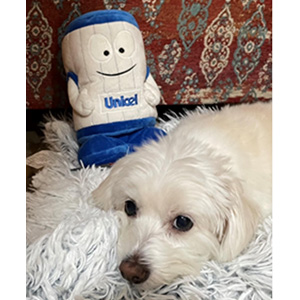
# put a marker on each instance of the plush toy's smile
(116, 74)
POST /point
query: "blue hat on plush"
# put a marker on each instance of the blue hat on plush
(110, 89)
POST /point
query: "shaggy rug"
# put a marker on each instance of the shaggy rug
(71, 245)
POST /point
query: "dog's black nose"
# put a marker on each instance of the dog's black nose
(133, 270)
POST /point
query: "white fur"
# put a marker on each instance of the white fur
(216, 169)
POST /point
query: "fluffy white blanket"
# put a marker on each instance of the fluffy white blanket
(71, 245)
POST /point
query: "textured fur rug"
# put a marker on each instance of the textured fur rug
(71, 252)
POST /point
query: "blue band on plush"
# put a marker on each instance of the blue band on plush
(73, 76)
(100, 17)
(114, 129)
(148, 72)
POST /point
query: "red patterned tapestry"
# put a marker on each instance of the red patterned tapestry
(199, 52)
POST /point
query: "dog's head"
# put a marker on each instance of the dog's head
(177, 210)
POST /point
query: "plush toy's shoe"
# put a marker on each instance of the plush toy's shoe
(105, 144)
(101, 150)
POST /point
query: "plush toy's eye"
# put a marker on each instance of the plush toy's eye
(125, 44)
(130, 208)
(182, 223)
(100, 47)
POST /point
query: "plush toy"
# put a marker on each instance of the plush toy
(110, 89)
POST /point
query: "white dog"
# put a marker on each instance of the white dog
(197, 194)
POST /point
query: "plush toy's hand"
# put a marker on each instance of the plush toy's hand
(151, 91)
(85, 105)
(80, 102)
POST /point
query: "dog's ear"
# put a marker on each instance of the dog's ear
(237, 228)
(102, 196)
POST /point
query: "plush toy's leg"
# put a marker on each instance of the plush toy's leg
(145, 135)
(102, 150)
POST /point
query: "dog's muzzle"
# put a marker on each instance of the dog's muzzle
(133, 270)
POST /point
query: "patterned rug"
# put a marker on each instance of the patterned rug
(71, 245)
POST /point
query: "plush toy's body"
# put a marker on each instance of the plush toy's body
(110, 89)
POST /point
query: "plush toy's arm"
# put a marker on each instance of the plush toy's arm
(151, 91)
(79, 100)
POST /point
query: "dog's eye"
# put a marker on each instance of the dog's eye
(130, 208)
(182, 223)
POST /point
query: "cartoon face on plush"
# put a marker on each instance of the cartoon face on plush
(116, 51)
(112, 54)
